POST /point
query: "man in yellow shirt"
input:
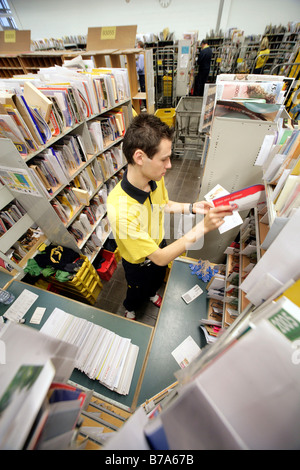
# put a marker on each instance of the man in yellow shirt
(262, 56)
(136, 208)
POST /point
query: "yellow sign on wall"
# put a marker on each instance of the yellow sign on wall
(10, 35)
(108, 32)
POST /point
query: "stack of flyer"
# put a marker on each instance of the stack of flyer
(102, 354)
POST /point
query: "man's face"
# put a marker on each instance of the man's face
(156, 168)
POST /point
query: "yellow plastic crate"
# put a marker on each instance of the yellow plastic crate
(85, 284)
(79, 283)
(90, 295)
(167, 115)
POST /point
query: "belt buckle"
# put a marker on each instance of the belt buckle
(146, 262)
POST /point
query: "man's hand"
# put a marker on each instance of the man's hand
(215, 217)
(202, 207)
(211, 221)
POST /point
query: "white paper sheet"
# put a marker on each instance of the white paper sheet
(230, 221)
(186, 352)
(20, 306)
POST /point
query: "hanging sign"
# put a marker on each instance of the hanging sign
(10, 35)
(108, 32)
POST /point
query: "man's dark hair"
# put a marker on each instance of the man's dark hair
(145, 133)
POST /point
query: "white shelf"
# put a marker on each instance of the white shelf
(276, 224)
(5, 197)
(15, 232)
(38, 208)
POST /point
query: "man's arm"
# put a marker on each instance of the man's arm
(212, 220)
(200, 207)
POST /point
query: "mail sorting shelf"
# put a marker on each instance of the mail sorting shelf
(85, 285)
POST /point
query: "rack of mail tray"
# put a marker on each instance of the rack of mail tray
(102, 355)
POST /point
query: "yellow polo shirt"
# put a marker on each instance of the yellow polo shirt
(262, 58)
(137, 218)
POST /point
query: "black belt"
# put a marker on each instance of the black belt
(147, 261)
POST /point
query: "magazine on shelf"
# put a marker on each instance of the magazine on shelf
(77, 230)
(95, 130)
(288, 156)
(63, 101)
(271, 91)
(101, 94)
(61, 210)
(82, 195)
(57, 115)
(288, 188)
(9, 102)
(89, 91)
(108, 130)
(72, 143)
(54, 125)
(66, 157)
(287, 81)
(36, 99)
(45, 172)
(120, 121)
(42, 125)
(121, 83)
(28, 119)
(86, 222)
(208, 107)
(83, 97)
(109, 80)
(19, 121)
(53, 158)
(96, 169)
(10, 130)
(41, 135)
(81, 147)
(247, 109)
(68, 203)
(292, 201)
(41, 177)
(248, 77)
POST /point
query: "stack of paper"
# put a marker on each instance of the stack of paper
(102, 354)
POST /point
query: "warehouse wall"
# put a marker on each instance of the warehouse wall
(252, 16)
(58, 18)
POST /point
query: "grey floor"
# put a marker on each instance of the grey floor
(183, 183)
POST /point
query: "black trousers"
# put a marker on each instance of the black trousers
(200, 81)
(143, 281)
(143, 86)
(142, 82)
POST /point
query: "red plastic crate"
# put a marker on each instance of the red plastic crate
(108, 266)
